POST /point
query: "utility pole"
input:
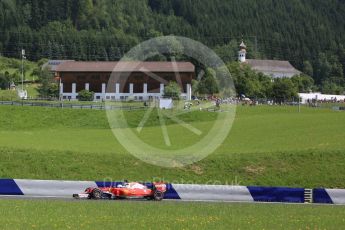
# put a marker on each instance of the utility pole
(23, 57)
(60, 93)
(299, 104)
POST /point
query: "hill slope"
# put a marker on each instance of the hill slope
(309, 33)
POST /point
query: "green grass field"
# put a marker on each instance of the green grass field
(166, 215)
(268, 146)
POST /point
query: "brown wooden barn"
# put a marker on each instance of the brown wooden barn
(123, 80)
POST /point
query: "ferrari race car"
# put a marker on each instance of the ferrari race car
(132, 190)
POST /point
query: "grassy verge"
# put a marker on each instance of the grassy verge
(274, 146)
(166, 215)
(302, 169)
(255, 130)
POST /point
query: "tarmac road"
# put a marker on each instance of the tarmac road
(71, 199)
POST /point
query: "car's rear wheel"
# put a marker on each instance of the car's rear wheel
(97, 194)
(158, 195)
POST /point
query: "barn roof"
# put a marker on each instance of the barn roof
(124, 66)
(272, 66)
(53, 64)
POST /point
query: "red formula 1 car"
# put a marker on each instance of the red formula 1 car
(126, 191)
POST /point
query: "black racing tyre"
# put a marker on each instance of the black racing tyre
(97, 194)
(158, 195)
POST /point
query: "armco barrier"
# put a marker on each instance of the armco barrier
(330, 196)
(277, 194)
(54, 188)
(211, 192)
(65, 189)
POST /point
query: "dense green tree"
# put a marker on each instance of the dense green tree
(195, 87)
(106, 29)
(308, 68)
(228, 52)
(5, 81)
(284, 90)
(329, 87)
(172, 90)
(250, 83)
(47, 88)
(304, 83)
(208, 84)
(85, 95)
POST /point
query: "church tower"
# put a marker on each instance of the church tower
(242, 52)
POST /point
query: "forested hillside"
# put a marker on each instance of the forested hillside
(309, 33)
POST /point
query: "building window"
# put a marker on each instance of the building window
(98, 97)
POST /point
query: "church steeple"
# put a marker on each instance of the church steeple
(242, 52)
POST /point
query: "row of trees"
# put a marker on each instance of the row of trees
(257, 85)
(310, 33)
(252, 84)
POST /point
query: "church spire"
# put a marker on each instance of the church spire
(242, 45)
(242, 52)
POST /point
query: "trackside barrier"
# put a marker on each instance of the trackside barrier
(277, 194)
(65, 189)
(329, 196)
(211, 192)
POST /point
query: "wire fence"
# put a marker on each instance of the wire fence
(72, 106)
(105, 106)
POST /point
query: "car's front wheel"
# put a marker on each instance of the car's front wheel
(158, 195)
